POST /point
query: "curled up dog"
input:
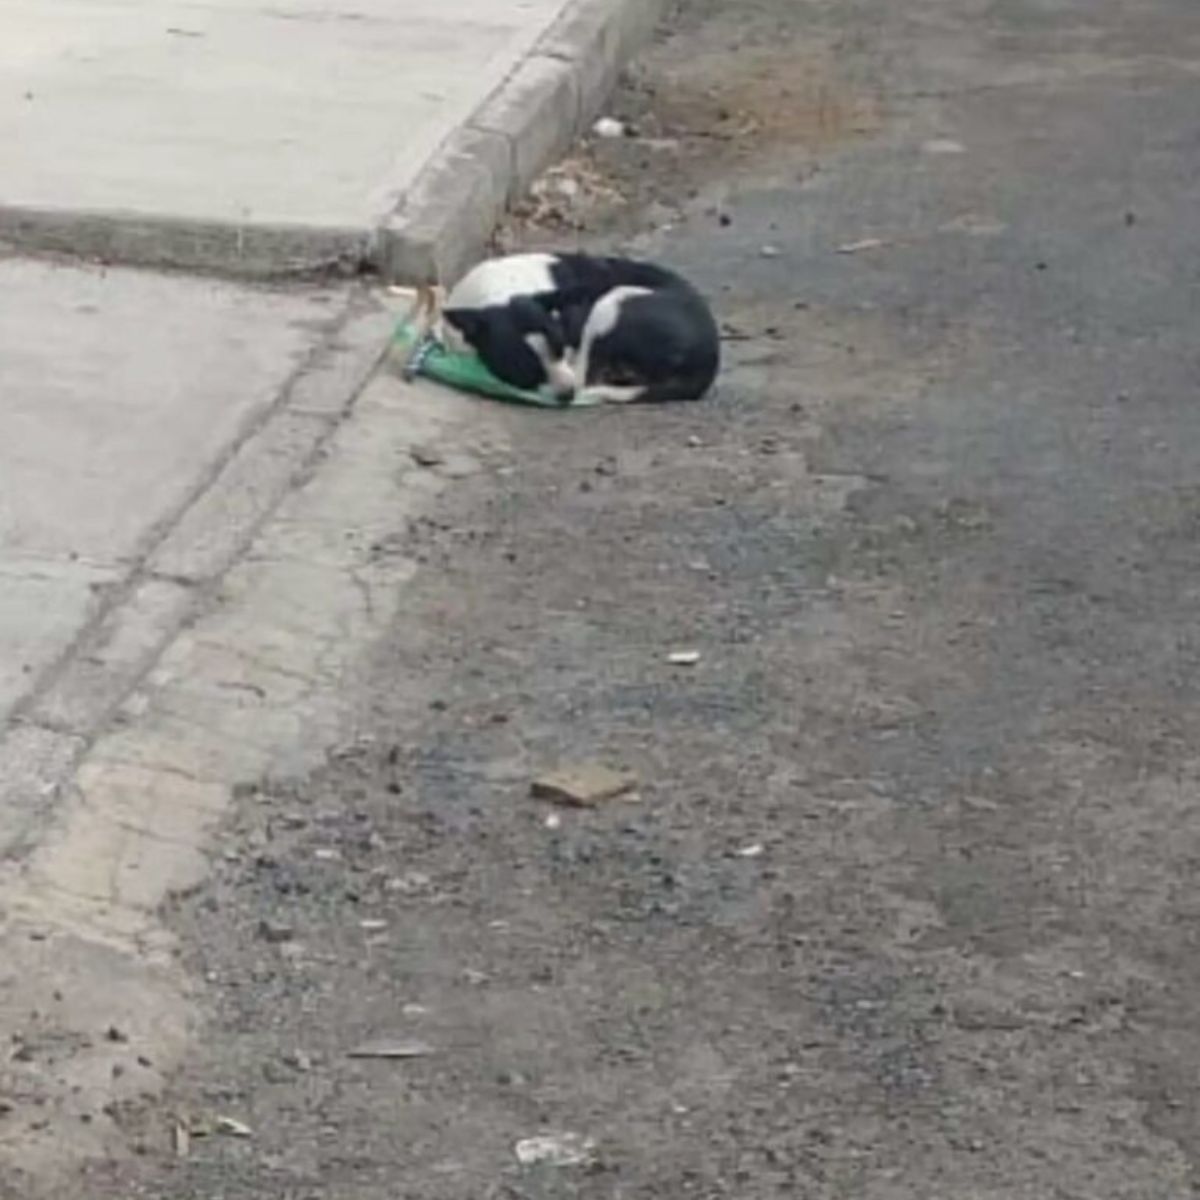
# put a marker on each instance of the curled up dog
(592, 328)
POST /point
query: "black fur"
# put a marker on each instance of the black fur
(665, 343)
(498, 335)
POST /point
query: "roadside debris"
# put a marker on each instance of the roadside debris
(583, 785)
(556, 1150)
(298, 1060)
(186, 1128)
(609, 127)
(730, 333)
(426, 456)
(859, 247)
(943, 146)
(275, 932)
(566, 194)
(392, 1048)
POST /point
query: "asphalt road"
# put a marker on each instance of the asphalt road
(905, 910)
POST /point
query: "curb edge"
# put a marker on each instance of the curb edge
(447, 217)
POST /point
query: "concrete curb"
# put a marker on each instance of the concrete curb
(444, 220)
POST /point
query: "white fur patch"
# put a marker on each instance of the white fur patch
(558, 372)
(562, 379)
(610, 393)
(601, 321)
(495, 281)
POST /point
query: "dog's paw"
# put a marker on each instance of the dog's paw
(561, 378)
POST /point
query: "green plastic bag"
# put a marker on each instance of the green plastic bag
(466, 373)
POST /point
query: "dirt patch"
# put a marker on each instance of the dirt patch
(692, 121)
(763, 100)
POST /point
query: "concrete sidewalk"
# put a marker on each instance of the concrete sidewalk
(203, 483)
(148, 424)
(253, 139)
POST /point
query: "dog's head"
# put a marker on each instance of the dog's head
(520, 342)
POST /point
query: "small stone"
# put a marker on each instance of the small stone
(583, 785)
(413, 883)
(426, 456)
(275, 932)
(274, 1072)
(684, 658)
(771, 252)
(392, 1049)
(986, 1014)
(298, 1061)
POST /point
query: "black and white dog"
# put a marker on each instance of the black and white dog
(595, 328)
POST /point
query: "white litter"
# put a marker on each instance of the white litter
(555, 1150)
(609, 127)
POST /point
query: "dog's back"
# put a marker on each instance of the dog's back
(652, 340)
